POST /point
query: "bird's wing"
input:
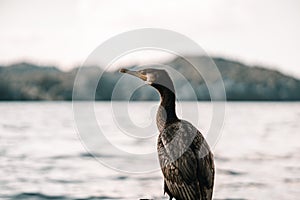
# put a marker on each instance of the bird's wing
(191, 176)
(206, 168)
(180, 176)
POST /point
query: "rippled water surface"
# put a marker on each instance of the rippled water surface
(41, 156)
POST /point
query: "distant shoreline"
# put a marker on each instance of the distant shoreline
(29, 82)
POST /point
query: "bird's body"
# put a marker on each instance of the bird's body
(191, 176)
(185, 157)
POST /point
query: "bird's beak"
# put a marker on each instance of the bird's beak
(134, 73)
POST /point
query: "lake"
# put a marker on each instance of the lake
(42, 156)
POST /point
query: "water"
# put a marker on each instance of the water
(41, 156)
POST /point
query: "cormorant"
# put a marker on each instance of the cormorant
(185, 157)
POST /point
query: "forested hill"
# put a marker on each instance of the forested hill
(25, 81)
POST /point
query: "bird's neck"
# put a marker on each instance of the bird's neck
(166, 113)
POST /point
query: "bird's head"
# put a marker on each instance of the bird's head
(154, 77)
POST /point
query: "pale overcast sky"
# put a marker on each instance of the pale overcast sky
(64, 32)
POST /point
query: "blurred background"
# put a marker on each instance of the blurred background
(254, 44)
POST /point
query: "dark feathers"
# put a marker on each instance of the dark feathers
(186, 162)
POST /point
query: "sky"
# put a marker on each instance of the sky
(65, 32)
